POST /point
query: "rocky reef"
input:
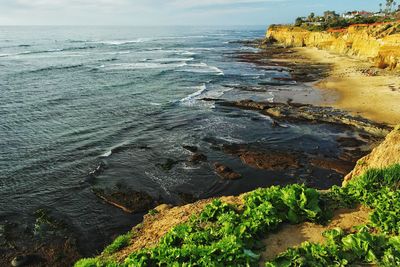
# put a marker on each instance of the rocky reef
(377, 43)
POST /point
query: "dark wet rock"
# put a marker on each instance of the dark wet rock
(275, 56)
(350, 142)
(325, 115)
(168, 164)
(26, 260)
(273, 160)
(248, 104)
(279, 57)
(187, 198)
(353, 154)
(295, 112)
(275, 124)
(225, 172)
(251, 43)
(128, 200)
(47, 225)
(249, 88)
(192, 149)
(197, 157)
(270, 161)
(20, 261)
(283, 78)
(143, 147)
(339, 166)
(57, 248)
(234, 149)
(98, 170)
(208, 99)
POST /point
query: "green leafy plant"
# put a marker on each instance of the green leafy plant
(119, 243)
(343, 250)
(379, 190)
(228, 235)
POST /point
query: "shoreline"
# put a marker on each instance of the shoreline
(360, 89)
(308, 95)
(164, 217)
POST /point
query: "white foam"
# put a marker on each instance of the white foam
(217, 93)
(122, 42)
(155, 104)
(231, 139)
(190, 167)
(192, 97)
(171, 59)
(106, 154)
(181, 37)
(187, 53)
(145, 65)
(202, 68)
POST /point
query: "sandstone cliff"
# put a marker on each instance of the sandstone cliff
(378, 43)
(386, 154)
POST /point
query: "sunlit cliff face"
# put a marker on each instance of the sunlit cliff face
(377, 43)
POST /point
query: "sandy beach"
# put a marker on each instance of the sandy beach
(376, 96)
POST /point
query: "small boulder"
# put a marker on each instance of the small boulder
(128, 200)
(20, 260)
(192, 149)
(272, 161)
(197, 157)
(168, 164)
(187, 198)
(225, 172)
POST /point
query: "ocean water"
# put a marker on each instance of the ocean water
(124, 98)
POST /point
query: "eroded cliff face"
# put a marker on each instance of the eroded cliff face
(378, 43)
(383, 156)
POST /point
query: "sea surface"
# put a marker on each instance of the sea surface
(123, 100)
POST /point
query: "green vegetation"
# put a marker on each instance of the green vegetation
(229, 235)
(95, 262)
(377, 189)
(226, 235)
(332, 20)
(390, 6)
(344, 250)
(119, 243)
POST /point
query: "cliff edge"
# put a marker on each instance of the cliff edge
(377, 43)
(386, 154)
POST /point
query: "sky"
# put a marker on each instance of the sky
(169, 12)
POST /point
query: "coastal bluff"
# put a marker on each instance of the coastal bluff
(384, 155)
(378, 43)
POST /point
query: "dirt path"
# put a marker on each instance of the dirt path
(293, 235)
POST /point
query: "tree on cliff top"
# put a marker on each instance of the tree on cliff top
(390, 5)
(298, 21)
(311, 16)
